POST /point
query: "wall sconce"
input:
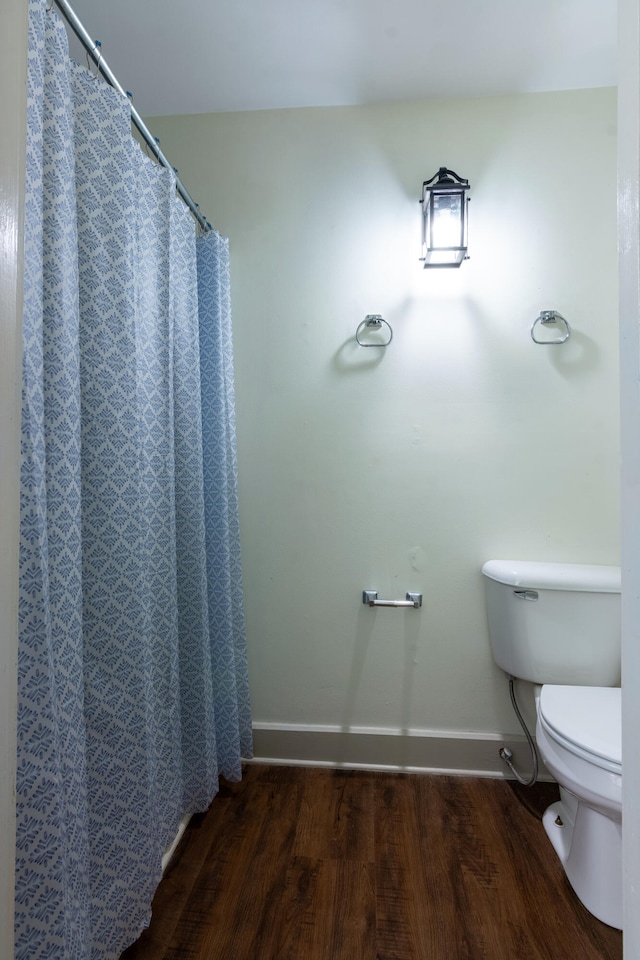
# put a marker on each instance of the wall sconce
(444, 219)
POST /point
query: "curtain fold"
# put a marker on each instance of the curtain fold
(133, 689)
(226, 618)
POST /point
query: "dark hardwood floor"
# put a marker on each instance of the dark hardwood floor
(317, 864)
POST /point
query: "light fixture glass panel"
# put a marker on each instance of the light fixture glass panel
(446, 221)
(444, 258)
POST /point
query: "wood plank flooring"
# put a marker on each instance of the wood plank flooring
(318, 864)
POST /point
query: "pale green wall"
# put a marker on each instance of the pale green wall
(406, 469)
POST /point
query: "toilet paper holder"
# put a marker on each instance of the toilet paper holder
(370, 597)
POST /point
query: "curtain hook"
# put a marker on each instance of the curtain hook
(156, 140)
(98, 47)
(49, 6)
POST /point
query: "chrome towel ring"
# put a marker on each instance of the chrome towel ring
(373, 321)
(550, 318)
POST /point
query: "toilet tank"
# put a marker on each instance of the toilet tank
(555, 622)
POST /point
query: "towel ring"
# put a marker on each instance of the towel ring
(374, 321)
(547, 318)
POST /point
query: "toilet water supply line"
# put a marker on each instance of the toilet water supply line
(506, 754)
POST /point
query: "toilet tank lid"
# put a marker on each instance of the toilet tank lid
(554, 576)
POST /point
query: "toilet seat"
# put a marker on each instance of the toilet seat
(585, 721)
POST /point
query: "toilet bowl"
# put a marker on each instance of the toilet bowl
(578, 731)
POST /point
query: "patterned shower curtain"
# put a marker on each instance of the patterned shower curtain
(133, 692)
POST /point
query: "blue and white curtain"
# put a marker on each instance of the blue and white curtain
(133, 692)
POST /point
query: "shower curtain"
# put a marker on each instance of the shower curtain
(133, 691)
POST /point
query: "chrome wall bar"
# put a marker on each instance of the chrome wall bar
(370, 597)
(103, 67)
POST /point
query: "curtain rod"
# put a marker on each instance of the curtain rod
(93, 49)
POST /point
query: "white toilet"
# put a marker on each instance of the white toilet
(558, 626)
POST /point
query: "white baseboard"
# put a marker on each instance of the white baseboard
(388, 748)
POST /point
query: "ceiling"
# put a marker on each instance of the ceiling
(199, 56)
